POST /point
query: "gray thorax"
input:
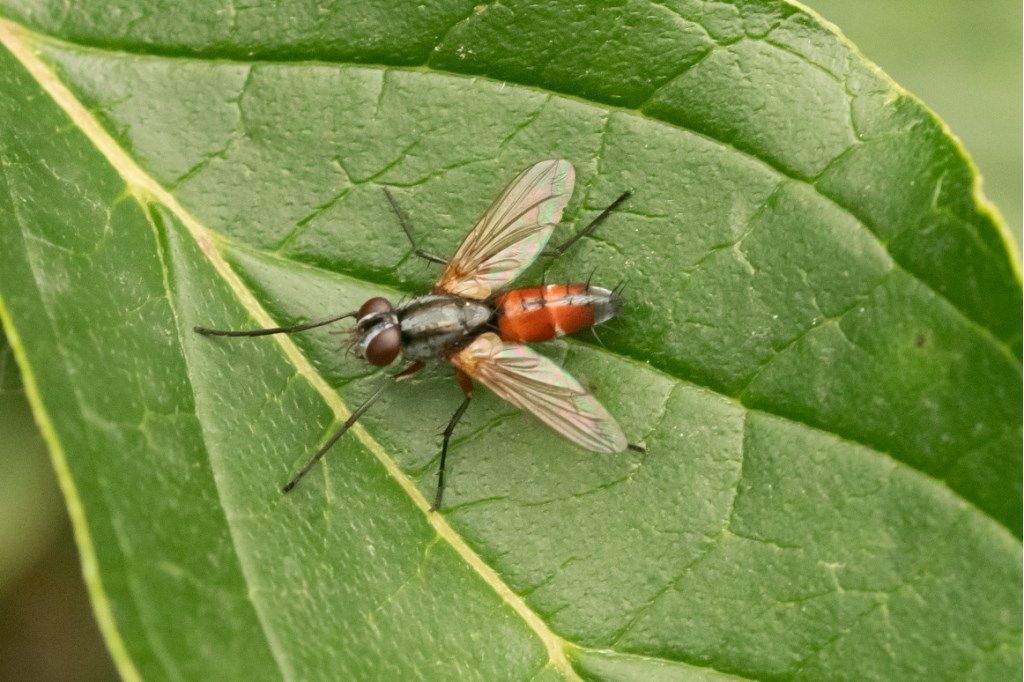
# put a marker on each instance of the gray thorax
(435, 325)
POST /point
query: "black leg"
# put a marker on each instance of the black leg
(557, 251)
(408, 231)
(205, 331)
(334, 439)
(444, 450)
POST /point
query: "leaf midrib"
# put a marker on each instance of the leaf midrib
(1003, 346)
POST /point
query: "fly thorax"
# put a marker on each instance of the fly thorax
(433, 326)
(442, 315)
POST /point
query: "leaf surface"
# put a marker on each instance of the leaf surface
(821, 351)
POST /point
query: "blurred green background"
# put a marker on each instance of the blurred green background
(962, 57)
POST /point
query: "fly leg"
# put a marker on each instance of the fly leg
(467, 388)
(408, 231)
(356, 414)
(556, 251)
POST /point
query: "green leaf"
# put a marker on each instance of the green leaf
(820, 352)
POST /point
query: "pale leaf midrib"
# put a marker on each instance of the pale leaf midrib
(1003, 345)
(137, 179)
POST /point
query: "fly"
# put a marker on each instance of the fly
(480, 330)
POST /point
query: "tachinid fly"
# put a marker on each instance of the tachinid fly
(467, 322)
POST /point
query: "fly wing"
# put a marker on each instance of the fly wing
(532, 382)
(511, 233)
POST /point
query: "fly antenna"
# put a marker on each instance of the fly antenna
(206, 331)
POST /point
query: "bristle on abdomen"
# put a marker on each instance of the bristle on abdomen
(542, 313)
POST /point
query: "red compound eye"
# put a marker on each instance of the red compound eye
(384, 347)
(377, 304)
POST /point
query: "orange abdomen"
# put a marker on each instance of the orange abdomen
(542, 313)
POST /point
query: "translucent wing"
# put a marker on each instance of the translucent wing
(533, 383)
(511, 233)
